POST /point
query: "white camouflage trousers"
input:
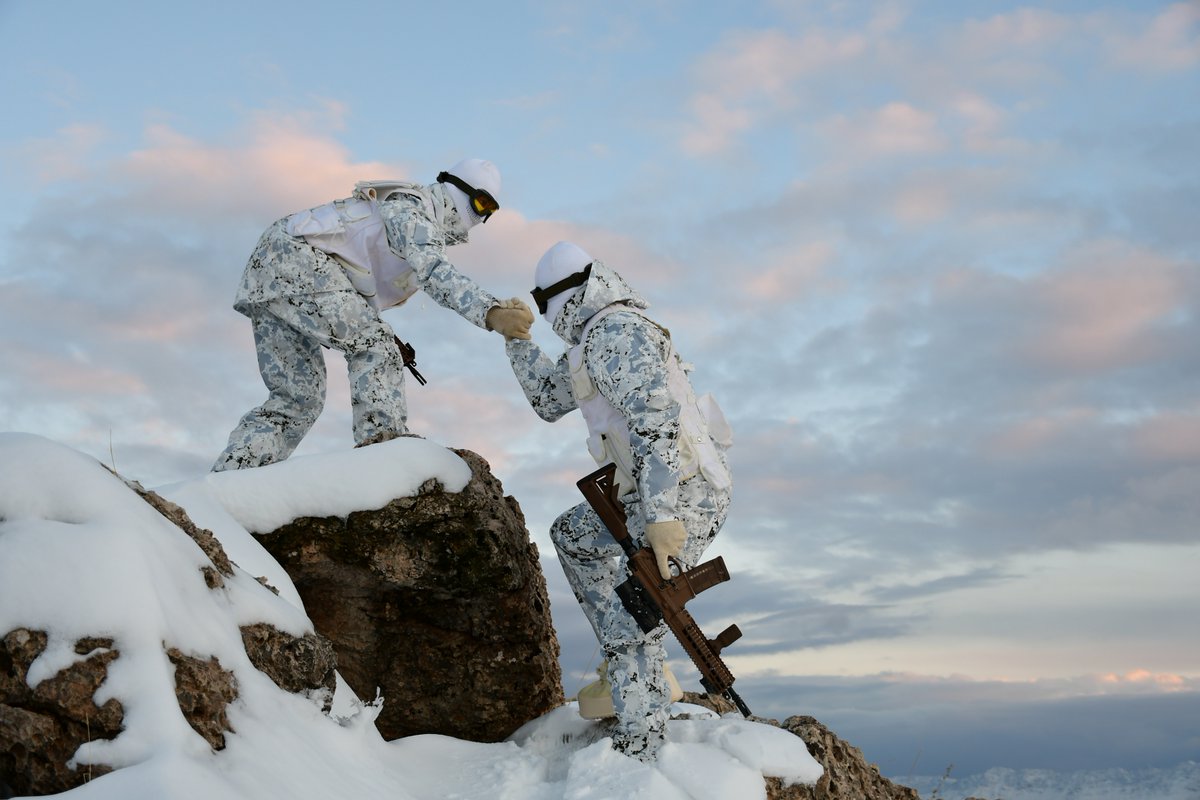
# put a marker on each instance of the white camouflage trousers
(289, 333)
(595, 565)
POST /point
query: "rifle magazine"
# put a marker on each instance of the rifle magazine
(638, 603)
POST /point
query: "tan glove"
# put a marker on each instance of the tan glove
(511, 318)
(666, 539)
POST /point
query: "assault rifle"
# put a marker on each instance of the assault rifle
(652, 600)
(409, 354)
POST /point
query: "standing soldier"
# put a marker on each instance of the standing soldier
(623, 374)
(319, 278)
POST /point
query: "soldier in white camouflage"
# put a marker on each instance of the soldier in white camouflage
(320, 278)
(621, 370)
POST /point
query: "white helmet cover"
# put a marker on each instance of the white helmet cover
(561, 260)
(478, 173)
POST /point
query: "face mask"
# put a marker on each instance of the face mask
(453, 227)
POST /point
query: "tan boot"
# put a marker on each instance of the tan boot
(387, 436)
(676, 691)
(595, 699)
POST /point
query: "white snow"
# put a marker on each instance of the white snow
(334, 484)
(82, 555)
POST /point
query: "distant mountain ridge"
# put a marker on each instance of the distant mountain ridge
(1180, 782)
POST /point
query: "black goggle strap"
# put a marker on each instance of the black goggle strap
(542, 296)
(481, 199)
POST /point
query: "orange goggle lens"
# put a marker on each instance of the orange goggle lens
(483, 203)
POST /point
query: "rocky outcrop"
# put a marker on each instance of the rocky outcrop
(436, 600)
(42, 727)
(848, 775)
(297, 664)
(204, 689)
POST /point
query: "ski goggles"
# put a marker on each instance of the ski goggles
(542, 296)
(482, 202)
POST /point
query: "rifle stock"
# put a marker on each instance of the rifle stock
(651, 600)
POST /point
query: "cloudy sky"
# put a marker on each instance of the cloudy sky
(938, 262)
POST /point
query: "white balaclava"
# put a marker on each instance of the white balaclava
(558, 262)
(478, 173)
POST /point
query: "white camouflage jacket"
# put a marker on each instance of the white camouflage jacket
(285, 266)
(625, 356)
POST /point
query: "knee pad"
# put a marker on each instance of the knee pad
(571, 525)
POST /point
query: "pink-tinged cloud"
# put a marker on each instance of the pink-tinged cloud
(790, 442)
(1023, 28)
(1165, 681)
(279, 165)
(80, 378)
(490, 423)
(1169, 43)
(1169, 40)
(283, 162)
(983, 127)
(984, 116)
(1171, 436)
(891, 130)
(1041, 433)
(786, 275)
(751, 75)
(160, 326)
(929, 196)
(1135, 681)
(923, 203)
(1105, 310)
(502, 255)
(63, 156)
(715, 125)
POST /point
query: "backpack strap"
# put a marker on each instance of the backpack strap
(377, 191)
